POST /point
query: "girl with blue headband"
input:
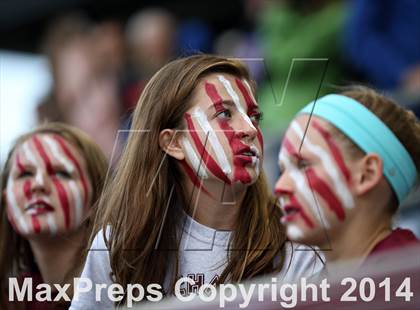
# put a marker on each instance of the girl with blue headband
(348, 161)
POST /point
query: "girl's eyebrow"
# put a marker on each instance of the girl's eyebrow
(220, 103)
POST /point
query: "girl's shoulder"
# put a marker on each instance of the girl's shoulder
(300, 261)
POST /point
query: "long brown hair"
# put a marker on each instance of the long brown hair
(16, 256)
(143, 240)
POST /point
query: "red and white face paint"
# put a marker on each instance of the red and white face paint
(223, 139)
(48, 190)
(314, 188)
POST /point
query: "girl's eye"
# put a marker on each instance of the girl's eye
(25, 174)
(63, 174)
(256, 118)
(302, 164)
(225, 114)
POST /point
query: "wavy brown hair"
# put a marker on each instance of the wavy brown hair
(143, 240)
(16, 257)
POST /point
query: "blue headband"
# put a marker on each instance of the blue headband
(367, 131)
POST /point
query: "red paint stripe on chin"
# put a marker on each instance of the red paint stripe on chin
(302, 212)
(322, 188)
(64, 202)
(35, 224)
(193, 177)
(70, 156)
(44, 156)
(210, 163)
(334, 149)
(211, 91)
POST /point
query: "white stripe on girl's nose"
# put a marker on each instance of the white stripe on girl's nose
(341, 189)
(235, 99)
(201, 118)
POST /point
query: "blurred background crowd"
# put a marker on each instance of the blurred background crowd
(85, 62)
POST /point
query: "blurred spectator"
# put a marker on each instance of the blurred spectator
(383, 43)
(296, 29)
(85, 91)
(194, 36)
(150, 38)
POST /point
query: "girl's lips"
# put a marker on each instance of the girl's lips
(243, 160)
(39, 207)
(290, 213)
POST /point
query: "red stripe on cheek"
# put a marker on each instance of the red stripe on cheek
(240, 173)
(322, 188)
(10, 217)
(27, 189)
(43, 155)
(193, 177)
(334, 149)
(211, 91)
(302, 212)
(67, 152)
(210, 163)
(62, 196)
(35, 224)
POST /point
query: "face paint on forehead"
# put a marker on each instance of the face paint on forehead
(300, 182)
(334, 149)
(340, 188)
(235, 98)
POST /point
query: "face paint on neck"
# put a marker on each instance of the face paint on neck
(334, 149)
(341, 189)
(300, 181)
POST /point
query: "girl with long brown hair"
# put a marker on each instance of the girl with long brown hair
(188, 197)
(348, 161)
(50, 181)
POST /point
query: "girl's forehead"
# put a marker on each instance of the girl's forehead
(42, 147)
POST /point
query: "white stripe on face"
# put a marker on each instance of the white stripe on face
(294, 232)
(51, 224)
(193, 158)
(235, 99)
(340, 188)
(79, 204)
(31, 158)
(13, 207)
(57, 154)
(301, 184)
(201, 118)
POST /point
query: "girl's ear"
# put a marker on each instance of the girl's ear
(369, 172)
(169, 141)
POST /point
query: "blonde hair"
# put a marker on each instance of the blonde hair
(143, 241)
